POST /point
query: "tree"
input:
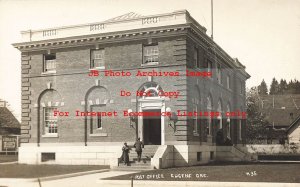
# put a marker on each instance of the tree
(274, 87)
(282, 88)
(293, 87)
(262, 88)
(256, 128)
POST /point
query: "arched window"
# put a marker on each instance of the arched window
(150, 89)
(96, 101)
(50, 101)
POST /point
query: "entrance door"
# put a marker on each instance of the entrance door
(152, 129)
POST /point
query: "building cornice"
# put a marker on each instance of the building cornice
(86, 40)
(113, 25)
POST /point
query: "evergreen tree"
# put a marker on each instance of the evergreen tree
(262, 88)
(293, 87)
(282, 86)
(274, 87)
(256, 128)
(297, 87)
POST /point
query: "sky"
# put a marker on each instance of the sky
(263, 34)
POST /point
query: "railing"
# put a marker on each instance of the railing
(49, 32)
(177, 17)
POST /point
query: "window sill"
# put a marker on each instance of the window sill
(98, 135)
(54, 135)
(48, 72)
(97, 68)
(150, 64)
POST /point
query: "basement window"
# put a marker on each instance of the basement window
(199, 156)
(212, 155)
(48, 157)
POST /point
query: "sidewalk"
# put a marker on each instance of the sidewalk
(141, 183)
(86, 179)
(94, 180)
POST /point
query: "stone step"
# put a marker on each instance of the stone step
(145, 163)
(133, 166)
(145, 150)
(142, 159)
(129, 168)
(135, 160)
(148, 147)
(143, 155)
(141, 163)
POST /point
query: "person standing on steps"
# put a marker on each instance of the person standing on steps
(139, 148)
(125, 154)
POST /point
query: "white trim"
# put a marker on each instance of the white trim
(98, 135)
(48, 72)
(150, 64)
(145, 104)
(50, 135)
(97, 68)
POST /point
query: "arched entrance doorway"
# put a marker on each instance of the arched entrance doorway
(151, 128)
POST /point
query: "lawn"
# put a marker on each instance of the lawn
(36, 171)
(227, 172)
(8, 158)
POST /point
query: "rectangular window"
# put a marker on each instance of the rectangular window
(96, 122)
(199, 156)
(228, 81)
(49, 63)
(99, 122)
(211, 155)
(219, 73)
(97, 59)
(50, 121)
(196, 60)
(150, 54)
(47, 157)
